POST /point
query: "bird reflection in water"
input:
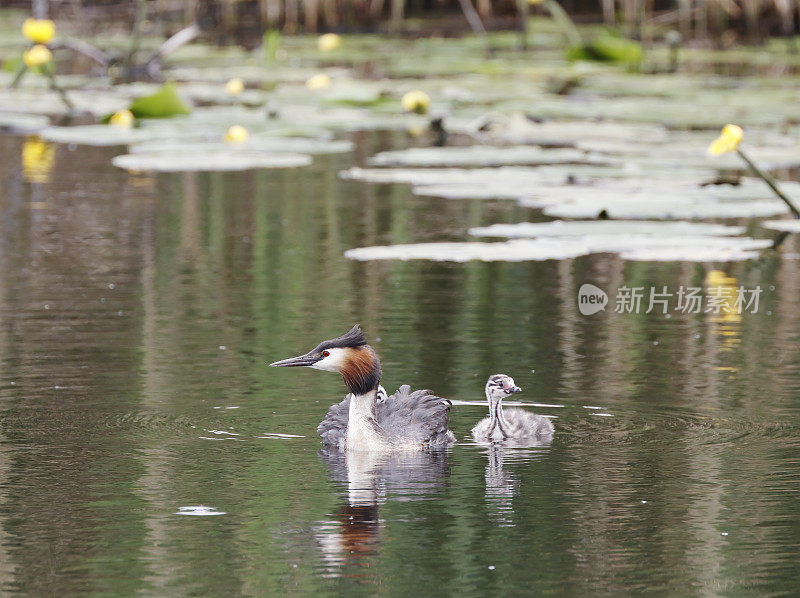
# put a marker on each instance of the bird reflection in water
(502, 483)
(501, 486)
(353, 535)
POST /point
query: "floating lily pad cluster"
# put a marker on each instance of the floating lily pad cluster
(209, 160)
(591, 169)
(642, 240)
(584, 194)
(574, 140)
(482, 155)
(619, 198)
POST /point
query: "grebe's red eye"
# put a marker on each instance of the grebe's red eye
(326, 353)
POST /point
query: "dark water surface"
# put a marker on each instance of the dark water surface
(137, 316)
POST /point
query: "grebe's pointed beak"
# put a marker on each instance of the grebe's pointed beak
(306, 360)
(514, 389)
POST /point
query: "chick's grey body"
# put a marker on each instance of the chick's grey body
(406, 418)
(519, 425)
(513, 427)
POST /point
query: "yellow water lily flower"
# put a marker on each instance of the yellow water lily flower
(37, 160)
(37, 56)
(123, 119)
(329, 42)
(39, 31)
(320, 81)
(235, 86)
(416, 101)
(727, 141)
(236, 134)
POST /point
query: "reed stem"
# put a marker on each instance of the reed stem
(474, 21)
(60, 90)
(18, 76)
(560, 15)
(770, 182)
(138, 22)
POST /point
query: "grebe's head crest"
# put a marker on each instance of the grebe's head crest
(499, 386)
(353, 339)
(349, 354)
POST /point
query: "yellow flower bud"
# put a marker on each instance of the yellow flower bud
(727, 141)
(236, 134)
(316, 82)
(123, 119)
(329, 42)
(235, 86)
(37, 56)
(416, 101)
(39, 31)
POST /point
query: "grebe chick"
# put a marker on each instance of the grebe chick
(514, 426)
(406, 420)
(381, 394)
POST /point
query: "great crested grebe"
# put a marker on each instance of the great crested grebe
(515, 426)
(407, 420)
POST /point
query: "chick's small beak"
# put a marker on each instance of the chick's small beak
(299, 361)
(514, 389)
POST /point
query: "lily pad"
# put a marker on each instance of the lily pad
(215, 93)
(446, 176)
(481, 190)
(699, 246)
(608, 48)
(35, 100)
(597, 228)
(22, 123)
(297, 145)
(689, 241)
(693, 254)
(658, 200)
(788, 226)
(518, 128)
(164, 103)
(675, 208)
(539, 187)
(510, 251)
(481, 155)
(209, 123)
(679, 151)
(97, 135)
(209, 161)
(692, 249)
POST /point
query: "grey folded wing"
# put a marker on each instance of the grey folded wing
(333, 429)
(416, 416)
(406, 416)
